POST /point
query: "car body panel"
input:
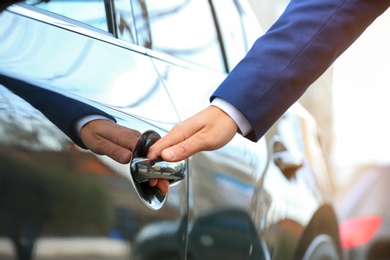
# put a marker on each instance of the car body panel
(234, 202)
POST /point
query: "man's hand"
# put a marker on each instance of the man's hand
(117, 142)
(208, 130)
(108, 138)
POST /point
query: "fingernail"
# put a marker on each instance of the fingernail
(169, 154)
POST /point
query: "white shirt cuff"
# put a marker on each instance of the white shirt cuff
(241, 121)
(86, 119)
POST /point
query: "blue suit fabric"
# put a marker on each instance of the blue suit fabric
(61, 110)
(300, 46)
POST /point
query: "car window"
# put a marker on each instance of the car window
(90, 12)
(239, 29)
(181, 28)
(231, 30)
(124, 20)
(113, 16)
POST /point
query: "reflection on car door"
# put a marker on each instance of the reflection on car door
(56, 196)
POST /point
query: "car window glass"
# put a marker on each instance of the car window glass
(237, 33)
(232, 31)
(114, 17)
(90, 12)
(181, 28)
(124, 20)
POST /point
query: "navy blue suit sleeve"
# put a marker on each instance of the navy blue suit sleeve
(300, 46)
(59, 109)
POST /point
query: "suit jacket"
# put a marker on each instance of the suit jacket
(59, 109)
(292, 54)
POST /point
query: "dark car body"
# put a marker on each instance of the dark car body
(149, 64)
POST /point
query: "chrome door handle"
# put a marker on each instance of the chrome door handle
(144, 169)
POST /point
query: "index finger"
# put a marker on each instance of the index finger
(176, 136)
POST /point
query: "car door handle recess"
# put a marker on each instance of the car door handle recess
(143, 169)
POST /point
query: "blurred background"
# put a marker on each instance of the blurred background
(351, 100)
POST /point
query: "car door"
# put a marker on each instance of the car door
(241, 205)
(149, 64)
(57, 199)
(225, 206)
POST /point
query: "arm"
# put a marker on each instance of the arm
(281, 65)
(59, 109)
(301, 45)
(101, 136)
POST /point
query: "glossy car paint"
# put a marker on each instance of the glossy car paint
(62, 201)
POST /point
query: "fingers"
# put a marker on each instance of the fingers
(177, 137)
(208, 130)
(114, 151)
(117, 134)
(161, 184)
(184, 149)
(107, 138)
